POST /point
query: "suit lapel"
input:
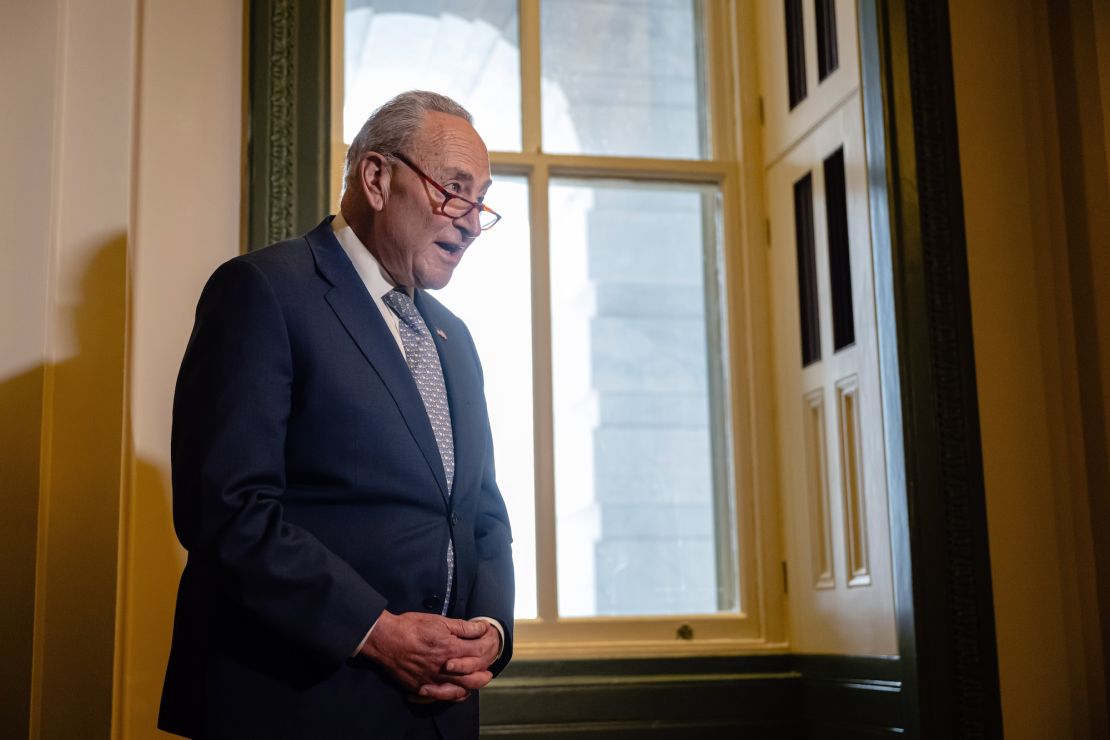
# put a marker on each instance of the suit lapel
(359, 315)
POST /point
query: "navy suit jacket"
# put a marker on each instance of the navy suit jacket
(310, 494)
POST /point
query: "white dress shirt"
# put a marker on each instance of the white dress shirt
(377, 281)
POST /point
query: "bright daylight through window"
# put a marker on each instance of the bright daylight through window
(597, 303)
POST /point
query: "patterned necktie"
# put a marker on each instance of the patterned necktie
(423, 360)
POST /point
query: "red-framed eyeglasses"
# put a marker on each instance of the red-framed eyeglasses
(455, 206)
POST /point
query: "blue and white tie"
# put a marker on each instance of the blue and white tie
(423, 360)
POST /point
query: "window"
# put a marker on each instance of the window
(598, 303)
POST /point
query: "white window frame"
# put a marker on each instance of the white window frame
(733, 165)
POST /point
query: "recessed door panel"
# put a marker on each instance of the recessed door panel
(833, 479)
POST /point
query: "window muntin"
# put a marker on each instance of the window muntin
(730, 618)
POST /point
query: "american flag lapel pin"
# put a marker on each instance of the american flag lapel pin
(442, 334)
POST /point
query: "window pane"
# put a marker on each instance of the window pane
(622, 77)
(495, 274)
(639, 519)
(467, 49)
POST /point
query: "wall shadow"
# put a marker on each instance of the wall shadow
(154, 564)
(20, 444)
(61, 459)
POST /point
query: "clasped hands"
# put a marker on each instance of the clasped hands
(433, 657)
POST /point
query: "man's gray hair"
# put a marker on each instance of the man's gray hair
(389, 129)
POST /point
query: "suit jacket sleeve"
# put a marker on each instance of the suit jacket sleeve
(231, 408)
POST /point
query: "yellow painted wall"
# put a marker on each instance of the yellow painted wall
(121, 159)
(25, 148)
(67, 82)
(1024, 260)
(187, 202)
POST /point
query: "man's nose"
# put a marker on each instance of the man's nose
(469, 224)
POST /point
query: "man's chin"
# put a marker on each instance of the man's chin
(434, 282)
(434, 274)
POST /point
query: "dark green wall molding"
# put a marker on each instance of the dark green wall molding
(289, 121)
(941, 557)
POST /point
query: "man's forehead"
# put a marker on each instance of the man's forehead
(441, 131)
(453, 147)
(452, 172)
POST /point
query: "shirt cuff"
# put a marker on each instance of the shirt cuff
(500, 633)
(367, 637)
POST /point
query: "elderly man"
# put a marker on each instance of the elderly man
(349, 571)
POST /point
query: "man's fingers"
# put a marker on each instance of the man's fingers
(463, 666)
(441, 692)
(470, 681)
(467, 630)
(437, 659)
(485, 648)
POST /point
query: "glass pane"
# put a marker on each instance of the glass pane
(640, 526)
(622, 77)
(495, 273)
(466, 49)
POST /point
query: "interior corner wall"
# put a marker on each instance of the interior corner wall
(66, 200)
(187, 206)
(28, 32)
(1101, 26)
(1082, 59)
(121, 192)
(1024, 310)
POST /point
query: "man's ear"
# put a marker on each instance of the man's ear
(374, 172)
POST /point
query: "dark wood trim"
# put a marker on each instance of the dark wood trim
(764, 696)
(288, 130)
(851, 696)
(938, 506)
(648, 667)
(647, 729)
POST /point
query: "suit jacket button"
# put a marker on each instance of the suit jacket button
(432, 602)
(454, 518)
